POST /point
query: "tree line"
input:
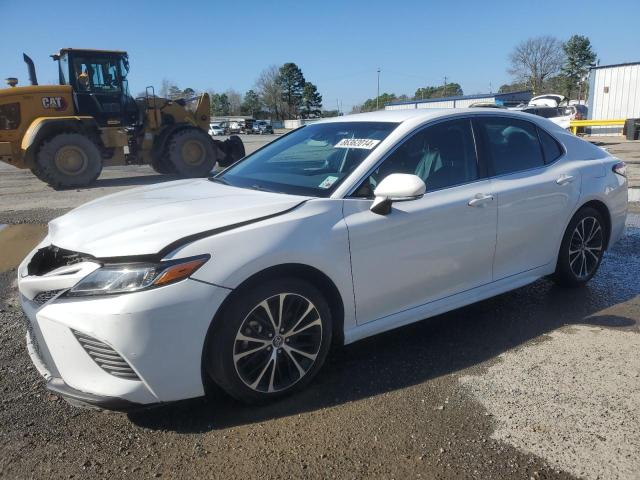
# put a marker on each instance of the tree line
(547, 65)
(280, 93)
(541, 64)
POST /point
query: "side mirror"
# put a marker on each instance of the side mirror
(397, 187)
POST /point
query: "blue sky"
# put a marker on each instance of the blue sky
(339, 45)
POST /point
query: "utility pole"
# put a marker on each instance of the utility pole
(378, 95)
(445, 86)
(338, 106)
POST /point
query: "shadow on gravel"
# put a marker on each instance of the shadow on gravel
(435, 347)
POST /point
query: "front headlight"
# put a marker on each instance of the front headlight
(126, 278)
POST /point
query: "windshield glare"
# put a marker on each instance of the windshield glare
(312, 160)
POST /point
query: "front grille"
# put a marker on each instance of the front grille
(105, 357)
(44, 297)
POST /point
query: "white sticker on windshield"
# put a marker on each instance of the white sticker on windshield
(327, 182)
(364, 143)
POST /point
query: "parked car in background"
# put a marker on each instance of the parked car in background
(561, 116)
(236, 126)
(338, 231)
(547, 100)
(261, 127)
(216, 130)
(577, 112)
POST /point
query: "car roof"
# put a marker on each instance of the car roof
(418, 115)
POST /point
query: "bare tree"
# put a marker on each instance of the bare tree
(269, 90)
(235, 101)
(535, 60)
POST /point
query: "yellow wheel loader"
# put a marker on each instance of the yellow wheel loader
(66, 133)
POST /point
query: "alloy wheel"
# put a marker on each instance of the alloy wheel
(277, 343)
(585, 248)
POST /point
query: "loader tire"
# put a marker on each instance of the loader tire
(191, 152)
(68, 160)
(162, 165)
(234, 151)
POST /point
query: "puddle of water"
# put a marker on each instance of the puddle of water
(2, 225)
(16, 241)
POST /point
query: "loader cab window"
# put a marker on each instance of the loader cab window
(98, 75)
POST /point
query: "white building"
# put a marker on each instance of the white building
(614, 94)
(464, 101)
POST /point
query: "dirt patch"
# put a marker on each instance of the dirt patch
(572, 400)
(16, 241)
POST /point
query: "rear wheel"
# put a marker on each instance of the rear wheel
(191, 152)
(271, 340)
(582, 248)
(68, 160)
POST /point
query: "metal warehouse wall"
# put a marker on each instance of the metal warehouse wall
(402, 106)
(458, 103)
(614, 93)
(465, 103)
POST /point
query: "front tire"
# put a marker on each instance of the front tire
(270, 340)
(582, 248)
(68, 160)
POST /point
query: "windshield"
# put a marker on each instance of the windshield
(312, 160)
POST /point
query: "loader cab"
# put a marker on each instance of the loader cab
(100, 87)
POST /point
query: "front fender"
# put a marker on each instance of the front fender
(45, 127)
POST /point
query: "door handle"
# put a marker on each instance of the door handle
(480, 199)
(564, 179)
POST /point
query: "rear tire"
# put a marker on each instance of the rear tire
(256, 359)
(68, 160)
(582, 248)
(191, 152)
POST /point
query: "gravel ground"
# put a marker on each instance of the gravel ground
(586, 422)
(418, 402)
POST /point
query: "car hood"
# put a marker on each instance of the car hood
(147, 220)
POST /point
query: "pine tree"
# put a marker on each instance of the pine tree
(311, 100)
(291, 82)
(579, 57)
(252, 103)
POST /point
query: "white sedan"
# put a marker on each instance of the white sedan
(340, 230)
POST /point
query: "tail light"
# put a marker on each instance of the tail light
(620, 168)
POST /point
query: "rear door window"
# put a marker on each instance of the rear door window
(509, 144)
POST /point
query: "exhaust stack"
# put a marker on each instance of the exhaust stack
(32, 69)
